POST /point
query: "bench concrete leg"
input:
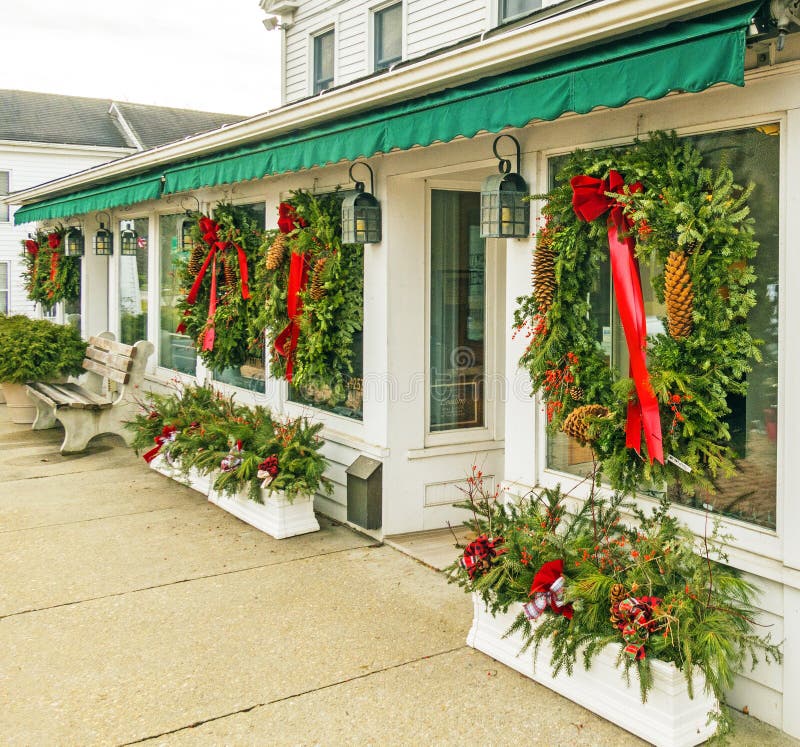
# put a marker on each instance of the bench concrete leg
(80, 427)
(45, 415)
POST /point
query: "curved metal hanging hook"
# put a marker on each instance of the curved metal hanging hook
(505, 163)
(184, 208)
(360, 185)
(101, 213)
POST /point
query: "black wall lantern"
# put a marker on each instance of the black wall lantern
(361, 212)
(505, 213)
(185, 226)
(128, 240)
(73, 242)
(103, 239)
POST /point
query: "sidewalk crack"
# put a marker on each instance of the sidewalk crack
(255, 706)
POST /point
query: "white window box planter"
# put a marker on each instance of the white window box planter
(670, 718)
(194, 480)
(276, 516)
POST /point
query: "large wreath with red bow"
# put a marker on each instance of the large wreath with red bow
(49, 276)
(218, 309)
(655, 205)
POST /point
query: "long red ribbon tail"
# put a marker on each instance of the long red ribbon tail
(152, 454)
(643, 412)
(286, 341)
(194, 290)
(243, 271)
(53, 265)
(210, 333)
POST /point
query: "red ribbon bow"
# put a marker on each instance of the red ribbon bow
(547, 590)
(479, 554)
(589, 201)
(288, 219)
(286, 341)
(53, 239)
(210, 230)
(32, 247)
(637, 623)
(168, 433)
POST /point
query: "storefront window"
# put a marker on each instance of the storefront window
(133, 285)
(754, 156)
(252, 373)
(175, 351)
(458, 281)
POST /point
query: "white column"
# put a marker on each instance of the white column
(94, 283)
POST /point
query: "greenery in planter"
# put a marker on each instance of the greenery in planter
(38, 350)
(683, 605)
(244, 448)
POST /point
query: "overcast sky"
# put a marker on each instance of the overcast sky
(213, 55)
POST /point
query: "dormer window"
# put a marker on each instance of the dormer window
(388, 36)
(323, 60)
(511, 9)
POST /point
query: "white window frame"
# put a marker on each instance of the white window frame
(750, 544)
(498, 14)
(493, 321)
(7, 289)
(372, 14)
(9, 213)
(331, 25)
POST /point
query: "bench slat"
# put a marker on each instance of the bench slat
(112, 346)
(69, 395)
(112, 360)
(119, 376)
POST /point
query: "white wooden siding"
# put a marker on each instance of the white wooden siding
(28, 166)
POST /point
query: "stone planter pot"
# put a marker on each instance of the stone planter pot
(194, 479)
(276, 516)
(20, 407)
(670, 718)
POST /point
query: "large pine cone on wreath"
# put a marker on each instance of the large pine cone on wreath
(276, 252)
(615, 596)
(576, 424)
(230, 271)
(195, 260)
(544, 274)
(317, 283)
(679, 295)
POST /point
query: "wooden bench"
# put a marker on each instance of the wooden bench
(102, 402)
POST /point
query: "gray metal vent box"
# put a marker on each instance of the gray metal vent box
(365, 492)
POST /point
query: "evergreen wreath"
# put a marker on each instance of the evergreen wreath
(218, 308)
(695, 223)
(331, 306)
(49, 276)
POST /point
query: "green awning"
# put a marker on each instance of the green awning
(686, 56)
(103, 197)
(683, 56)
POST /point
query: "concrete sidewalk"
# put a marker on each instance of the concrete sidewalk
(132, 610)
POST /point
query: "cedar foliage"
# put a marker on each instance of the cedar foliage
(707, 614)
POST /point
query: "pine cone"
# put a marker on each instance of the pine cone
(577, 424)
(230, 271)
(317, 283)
(276, 251)
(616, 595)
(576, 393)
(544, 276)
(195, 260)
(678, 295)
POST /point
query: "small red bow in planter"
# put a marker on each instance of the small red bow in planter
(168, 433)
(479, 554)
(547, 590)
(233, 460)
(268, 470)
(637, 623)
